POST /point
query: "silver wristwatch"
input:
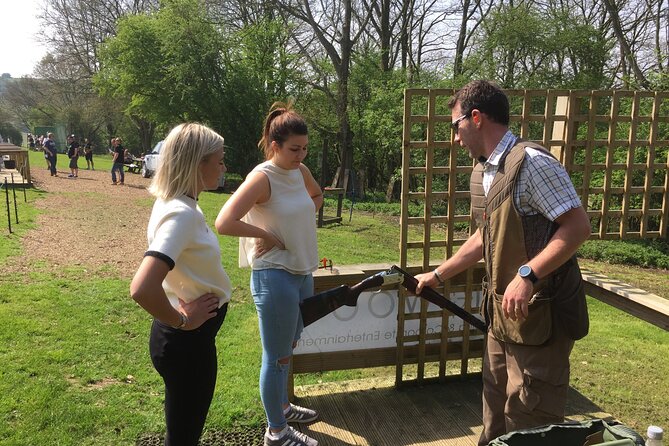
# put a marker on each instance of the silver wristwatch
(525, 271)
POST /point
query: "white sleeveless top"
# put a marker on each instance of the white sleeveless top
(289, 214)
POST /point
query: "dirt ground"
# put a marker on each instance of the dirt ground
(87, 223)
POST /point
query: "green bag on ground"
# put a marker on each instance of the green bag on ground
(584, 433)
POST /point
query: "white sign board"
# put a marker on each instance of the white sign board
(372, 323)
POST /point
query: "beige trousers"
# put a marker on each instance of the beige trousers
(523, 386)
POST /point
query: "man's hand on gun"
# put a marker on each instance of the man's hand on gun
(426, 279)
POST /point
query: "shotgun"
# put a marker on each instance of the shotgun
(322, 304)
(315, 307)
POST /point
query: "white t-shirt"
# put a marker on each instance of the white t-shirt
(290, 215)
(179, 235)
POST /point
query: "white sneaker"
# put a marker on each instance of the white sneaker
(289, 437)
(299, 414)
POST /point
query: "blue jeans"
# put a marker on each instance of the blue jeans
(119, 167)
(277, 295)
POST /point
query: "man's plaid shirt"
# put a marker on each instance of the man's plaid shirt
(543, 185)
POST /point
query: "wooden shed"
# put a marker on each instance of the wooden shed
(15, 164)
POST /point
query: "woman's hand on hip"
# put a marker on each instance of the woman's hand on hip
(266, 244)
(200, 310)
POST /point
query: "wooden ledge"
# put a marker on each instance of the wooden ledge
(635, 301)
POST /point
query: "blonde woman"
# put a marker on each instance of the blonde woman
(273, 212)
(181, 281)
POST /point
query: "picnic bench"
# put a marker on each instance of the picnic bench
(134, 166)
(338, 192)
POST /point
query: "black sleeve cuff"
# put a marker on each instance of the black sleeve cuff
(161, 256)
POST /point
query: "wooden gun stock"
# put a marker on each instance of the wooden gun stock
(320, 305)
(410, 283)
(315, 307)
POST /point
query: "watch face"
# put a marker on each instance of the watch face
(524, 271)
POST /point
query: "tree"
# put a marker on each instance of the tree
(336, 27)
(8, 130)
(76, 28)
(175, 65)
(522, 46)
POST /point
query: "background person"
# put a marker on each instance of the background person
(88, 154)
(273, 212)
(73, 155)
(531, 223)
(181, 281)
(117, 161)
(50, 152)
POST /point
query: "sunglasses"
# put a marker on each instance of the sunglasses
(455, 125)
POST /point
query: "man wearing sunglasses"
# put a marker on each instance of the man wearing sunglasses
(530, 224)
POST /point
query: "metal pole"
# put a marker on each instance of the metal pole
(350, 212)
(23, 183)
(16, 209)
(9, 215)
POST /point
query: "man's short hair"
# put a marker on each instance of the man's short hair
(485, 96)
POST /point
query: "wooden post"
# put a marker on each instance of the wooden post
(324, 157)
(16, 209)
(560, 126)
(9, 215)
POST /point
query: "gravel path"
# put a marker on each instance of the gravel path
(86, 223)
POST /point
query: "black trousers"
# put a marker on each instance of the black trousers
(187, 362)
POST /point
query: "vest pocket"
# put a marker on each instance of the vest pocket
(569, 306)
(536, 329)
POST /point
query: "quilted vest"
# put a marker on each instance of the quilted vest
(511, 240)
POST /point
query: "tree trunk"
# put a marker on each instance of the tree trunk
(390, 188)
(145, 130)
(625, 49)
(385, 35)
(343, 72)
(462, 34)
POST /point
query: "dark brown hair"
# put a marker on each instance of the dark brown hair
(486, 97)
(281, 122)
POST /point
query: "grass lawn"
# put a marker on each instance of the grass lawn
(75, 370)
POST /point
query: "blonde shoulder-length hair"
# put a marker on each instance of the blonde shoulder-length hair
(178, 173)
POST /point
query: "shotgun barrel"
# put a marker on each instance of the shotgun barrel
(409, 282)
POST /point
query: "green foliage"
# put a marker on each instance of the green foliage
(376, 108)
(523, 46)
(9, 132)
(175, 65)
(132, 66)
(645, 253)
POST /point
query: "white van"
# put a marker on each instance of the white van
(150, 161)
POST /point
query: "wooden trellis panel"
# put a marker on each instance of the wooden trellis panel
(614, 144)
(616, 152)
